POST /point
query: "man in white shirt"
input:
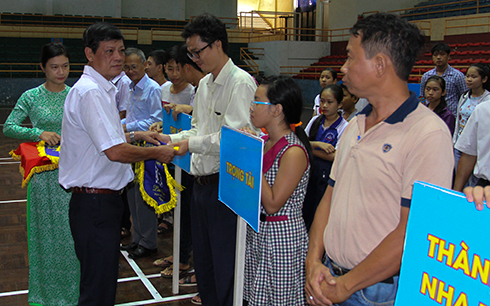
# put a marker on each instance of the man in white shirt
(94, 163)
(122, 83)
(223, 98)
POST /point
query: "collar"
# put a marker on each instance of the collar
(117, 78)
(223, 74)
(141, 84)
(98, 78)
(401, 113)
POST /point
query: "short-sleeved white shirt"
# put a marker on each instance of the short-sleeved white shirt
(122, 82)
(475, 140)
(90, 126)
(373, 174)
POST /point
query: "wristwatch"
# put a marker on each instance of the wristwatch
(131, 137)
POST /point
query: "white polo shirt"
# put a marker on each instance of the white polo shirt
(373, 174)
(475, 140)
(90, 126)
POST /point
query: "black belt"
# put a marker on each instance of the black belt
(95, 190)
(338, 270)
(207, 179)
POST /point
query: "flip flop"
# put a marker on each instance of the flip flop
(162, 263)
(187, 282)
(196, 302)
(168, 272)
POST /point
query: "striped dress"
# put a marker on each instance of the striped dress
(275, 257)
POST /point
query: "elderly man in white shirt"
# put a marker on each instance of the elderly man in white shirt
(94, 163)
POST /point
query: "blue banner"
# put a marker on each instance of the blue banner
(240, 174)
(170, 126)
(446, 260)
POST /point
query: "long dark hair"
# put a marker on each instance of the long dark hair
(48, 51)
(442, 83)
(338, 94)
(483, 71)
(284, 90)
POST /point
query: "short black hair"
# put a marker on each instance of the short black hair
(53, 49)
(332, 71)
(172, 53)
(393, 36)
(442, 83)
(337, 91)
(182, 58)
(100, 31)
(159, 57)
(209, 28)
(440, 47)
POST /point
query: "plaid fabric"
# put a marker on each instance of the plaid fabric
(455, 86)
(275, 257)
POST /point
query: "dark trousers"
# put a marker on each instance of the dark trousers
(316, 189)
(95, 222)
(185, 218)
(126, 218)
(214, 243)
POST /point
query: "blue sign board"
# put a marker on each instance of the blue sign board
(240, 174)
(170, 126)
(446, 260)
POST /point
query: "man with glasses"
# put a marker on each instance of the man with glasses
(143, 109)
(223, 98)
(455, 79)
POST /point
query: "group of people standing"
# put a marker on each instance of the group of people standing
(348, 178)
(454, 97)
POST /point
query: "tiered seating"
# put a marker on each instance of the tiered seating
(83, 21)
(462, 56)
(446, 8)
(313, 72)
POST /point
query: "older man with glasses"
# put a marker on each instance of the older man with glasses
(144, 108)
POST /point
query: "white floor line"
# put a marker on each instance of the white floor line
(130, 279)
(8, 163)
(157, 298)
(161, 300)
(153, 291)
(12, 201)
(5, 158)
(12, 293)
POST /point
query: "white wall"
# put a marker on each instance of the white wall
(289, 53)
(343, 13)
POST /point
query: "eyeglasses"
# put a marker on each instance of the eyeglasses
(195, 55)
(132, 67)
(253, 103)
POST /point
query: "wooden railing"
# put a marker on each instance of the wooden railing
(84, 21)
(447, 9)
(246, 57)
(481, 23)
(33, 68)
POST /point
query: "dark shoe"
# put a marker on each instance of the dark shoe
(129, 247)
(141, 252)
